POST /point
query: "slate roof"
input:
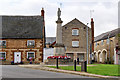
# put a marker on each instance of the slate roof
(21, 27)
(105, 35)
(74, 22)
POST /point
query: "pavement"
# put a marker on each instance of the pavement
(43, 67)
(18, 71)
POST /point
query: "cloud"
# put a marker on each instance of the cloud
(105, 13)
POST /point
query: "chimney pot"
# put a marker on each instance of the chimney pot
(42, 12)
(91, 19)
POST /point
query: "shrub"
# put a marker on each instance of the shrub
(12, 62)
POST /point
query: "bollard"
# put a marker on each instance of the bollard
(78, 61)
(74, 65)
(57, 63)
(85, 63)
(84, 66)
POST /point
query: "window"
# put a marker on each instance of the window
(75, 32)
(65, 27)
(2, 43)
(2, 55)
(75, 43)
(81, 57)
(119, 57)
(107, 41)
(96, 43)
(30, 43)
(31, 54)
(70, 55)
(102, 42)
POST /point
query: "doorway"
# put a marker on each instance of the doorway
(17, 57)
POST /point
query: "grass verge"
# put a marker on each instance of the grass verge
(100, 69)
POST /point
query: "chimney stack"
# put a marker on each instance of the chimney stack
(92, 28)
(42, 12)
(44, 35)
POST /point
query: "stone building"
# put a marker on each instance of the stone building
(22, 38)
(74, 39)
(106, 47)
(72, 36)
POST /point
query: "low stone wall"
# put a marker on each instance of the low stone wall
(60, 61)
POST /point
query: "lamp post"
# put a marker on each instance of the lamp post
(109, 45)
(87, 42)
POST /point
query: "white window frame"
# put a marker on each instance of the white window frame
(5, 54)
(30, 40)
(30, 52)
(73, 32)
(5, 42)
(102, 42)
(96, 44)
(75, 45)
(108, 41)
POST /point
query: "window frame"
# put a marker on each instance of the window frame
(96, 44)
(102, 42)
(77, 32)
(5, 54)
(30, 45)
(3, 45)
(73, 42)
(108, 41)
(119, 56)
(30, 52)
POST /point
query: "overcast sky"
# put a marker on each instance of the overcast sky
(105, 12)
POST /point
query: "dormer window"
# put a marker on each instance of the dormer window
(30, 43)
(75, 32)
(2, 43)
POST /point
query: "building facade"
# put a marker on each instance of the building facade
(106, 46)
(21, 39)
(74, 39)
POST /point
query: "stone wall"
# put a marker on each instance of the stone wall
(60, 61)
(67, 37)
(20, 45)
(100, 48)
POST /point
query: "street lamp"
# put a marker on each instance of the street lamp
(87, 41)
(109, 45)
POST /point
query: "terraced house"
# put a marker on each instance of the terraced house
(22, 38)
(107, 47)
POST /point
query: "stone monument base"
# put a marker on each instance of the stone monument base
(59, 50)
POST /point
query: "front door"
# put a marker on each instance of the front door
(17, 57)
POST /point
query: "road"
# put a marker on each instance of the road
(14, 71)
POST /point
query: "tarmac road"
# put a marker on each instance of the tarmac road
(14, 71)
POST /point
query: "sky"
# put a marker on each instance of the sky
(105, 13)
